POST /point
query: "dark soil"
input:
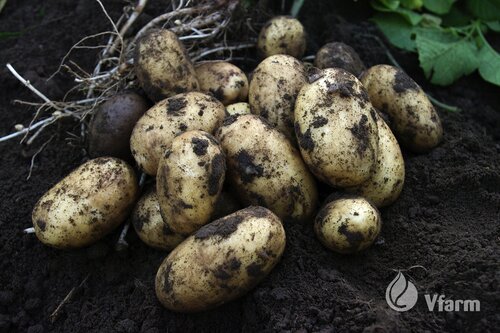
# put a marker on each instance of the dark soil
(443, 231)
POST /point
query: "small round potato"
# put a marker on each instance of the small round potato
(112, 125)
(265, 169)
(282, 35)
(238, 108)
(223, 80)
(339, 55)
(413, 117)
(189, 181)
(336, 128)
(275, 84)
(348, 225)
(154, 132)
(222, 261)
(162, 65)
(149, 225)
(86, 205)
(386, 181)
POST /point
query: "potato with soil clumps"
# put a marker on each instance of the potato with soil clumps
(265, 169)
(112, 125)
(348, 225)
(87, 204)
(238, 108)
(336, 128)
(282, 35)
(275, 84)
(222, 261)
(189, 181)
(149, 225)
(223, 80)
(162, 65)
(413, 117)
(156, 129)
(339, 55)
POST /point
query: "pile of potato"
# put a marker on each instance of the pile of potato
(216, 143)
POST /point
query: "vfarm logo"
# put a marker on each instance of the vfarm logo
(401, 295)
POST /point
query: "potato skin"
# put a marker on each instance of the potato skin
(267, 172)
(222, 261)
(282, 35)
(275, 84)
(336, 128)
(413, 117)
(223, 80)
(162, 65)
(149, 225)
(238, 108)
(386, 181)
(189, 181)
(339, 55)
(348, 225)
(86, 205)
(155, 131)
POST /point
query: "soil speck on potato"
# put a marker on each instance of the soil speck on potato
(403, 82)
(199, 146)
(223, 227)
(218, 170)
(247, 169)
(175, 106)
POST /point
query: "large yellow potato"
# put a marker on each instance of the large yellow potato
(282, 35)
(222, 261)
(86, 205)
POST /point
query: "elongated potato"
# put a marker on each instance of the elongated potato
(238, 108)
(162, 65)
(275, 84)
(154, 132)
(282, 35)
(336, 128)
(86, 205)
(221, 261)
(339, 55)
(149, 225)
(189, 181)
(223, 80)
(386, 181)
(413, 117)
(265, 169)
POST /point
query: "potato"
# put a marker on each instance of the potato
(414, 119)
(386, 181)
(339, 55)
(86, 205)
(189, 181)
(238, 108)
(112, 125)
(154, 132)
(282, 35)
(275, 84)
(149, 225)
(348, 225)
(265, 169)
(223, 80)
(336, 128)
(222, 261)
(162, 65)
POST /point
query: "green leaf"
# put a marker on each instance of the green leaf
(389, 7)
(412, 4)
(397, 30)
(486, 10)
(438, 6)
(385, 5)
(489, 62)
(456, 18)
(493, 25)
(297, 5)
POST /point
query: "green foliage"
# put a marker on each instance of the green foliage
(2, 4)
(448, 35)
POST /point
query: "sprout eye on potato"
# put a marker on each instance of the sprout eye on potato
(282, 35)
(339, 55)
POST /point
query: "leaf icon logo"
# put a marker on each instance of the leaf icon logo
(401, 294)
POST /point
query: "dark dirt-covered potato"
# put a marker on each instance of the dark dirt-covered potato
(112, 125)
(87, 204)
(265, 169)
(154, 132)
(413, 117)
(162, 65)
(282, 35)
(189, 181)
(238, 108)
(339, 55)
(336, 128)
(149, 225)
(348, 225)
(275, 84)
(222, 261)
(386, 181)
(223, 80)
